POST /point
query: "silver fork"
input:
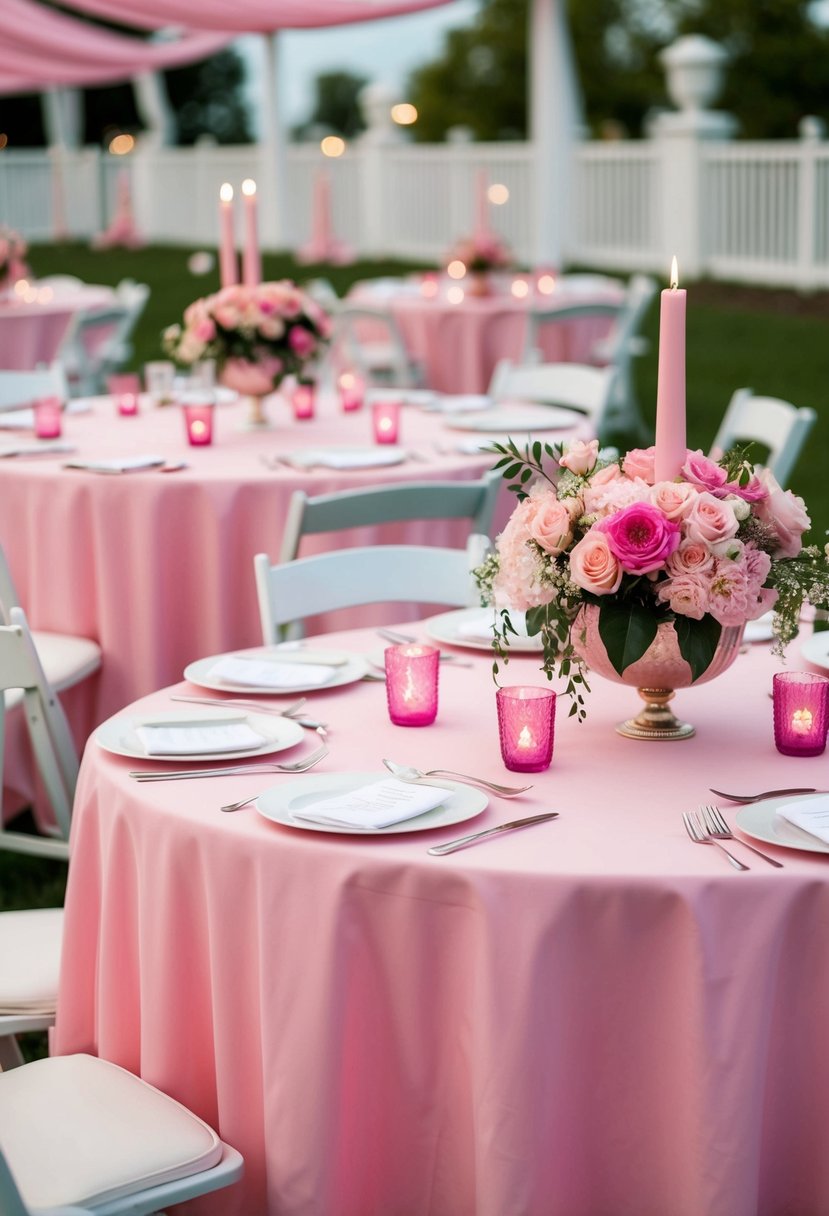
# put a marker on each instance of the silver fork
(719, 830)
(294, 766)
(301, 766)
(403, 639)
(746, 798)
(700, 836)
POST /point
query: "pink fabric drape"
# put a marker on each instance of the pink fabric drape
(41, 47)
(248, 16)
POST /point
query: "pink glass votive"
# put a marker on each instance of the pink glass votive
(526, 726)
(801, 717)
(304, 400)
(48, 413)
(125, 388)
(386, 421)
(412, 684)
(352, 389)
(198, 422)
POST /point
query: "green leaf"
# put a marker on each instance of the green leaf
(697, 642)
(526, 475)
(536, 619)
(627, 631)
(537, 451)
(512, 470)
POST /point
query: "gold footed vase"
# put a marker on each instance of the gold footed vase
(254, 382)
(660, 671)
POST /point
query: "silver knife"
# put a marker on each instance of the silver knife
(439, 850)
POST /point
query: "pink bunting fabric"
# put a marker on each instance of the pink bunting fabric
(41, 47)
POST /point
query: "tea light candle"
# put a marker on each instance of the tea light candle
(125, 388)
(526, 721)
(412, 684)
(198, 422)
(352, 390)
(801, 712)
(670, 386)
(48, 413)
(304, 400)
(386, 419)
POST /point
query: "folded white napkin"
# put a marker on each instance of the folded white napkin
(270, 673)
(24, 419)
(480, 627)
(233, 734)
(44, 447)
(811, 815)
(121, 464)
(361, 458)
(375, 806)
(463, 403)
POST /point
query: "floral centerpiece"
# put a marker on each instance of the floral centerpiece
(257, 335)
(480, 254)
(606, 561)
(12, 257)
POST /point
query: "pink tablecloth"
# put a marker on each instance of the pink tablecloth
(458, 345)
(31, 333)
(590, 1016)
(158, 568)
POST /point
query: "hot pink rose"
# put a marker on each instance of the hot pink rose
(709, 519)
(552, 524)
(687, 594)
(641, 537)
(700, 470)
(580, 457)
(593, 566)
(673, 498)
(639, 462)
(300, 341)
(786, 513)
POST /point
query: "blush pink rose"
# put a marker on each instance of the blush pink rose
(580, 457)
(674, 498)
(639, 462)
(700, 470)
(692, 557)
(785, 512)
(729, 602)
(592, 565)
(552, 525)
(710, 520)
(687, 594)
(640, 537)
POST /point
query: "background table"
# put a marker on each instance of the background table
(32, 332)
(593, 1015)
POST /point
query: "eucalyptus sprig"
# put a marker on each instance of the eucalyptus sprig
(525, 463)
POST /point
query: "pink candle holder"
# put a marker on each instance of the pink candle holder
(526, 726)
(48, 413)
(386, 421)
(412, 684)
(801, 712)
(198, 422)
(352, 389)
(304, 400)
(125, 388)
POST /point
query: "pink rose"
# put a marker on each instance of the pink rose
(785, 512)
(300, 341)
(710, 520)
(605, 475)
(687, 594)
(580, 457)
(692, 557)
(752, 491)
(639, 462)
(729, 603)
(641, 537)
(593, 566)
(700, 470)
(552, 525)
(673, 498)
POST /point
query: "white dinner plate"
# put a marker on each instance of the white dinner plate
(517, 418)
(761, 630)
(348, 672)
(344, 457)
(815, 649)
(462, 802)
(117, 735)
(761, 821)
(446, 627)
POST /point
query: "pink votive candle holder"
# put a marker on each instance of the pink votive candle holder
(125, 388)
(304, 399)
(386, 421)
(352, 388)
(526, 726)
(198, 422)
(801, 712)
(412, 684)
(48, 413)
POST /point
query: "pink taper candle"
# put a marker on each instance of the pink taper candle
(670, 389)
(228, 266)
(251, 260)
(481, 203)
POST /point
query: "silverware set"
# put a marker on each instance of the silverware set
(293, 711)
(707, 825)
(291, 766)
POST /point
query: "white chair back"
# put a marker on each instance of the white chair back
(575, 385)
(540, 316)
(778, 425)
(370, 341)
(20, 388)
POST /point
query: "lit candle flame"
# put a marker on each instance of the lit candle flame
(198, 429)
(226, 192)
(525, 738)
(409, 688)
(249, 187)
(674, 274)
(802, 721)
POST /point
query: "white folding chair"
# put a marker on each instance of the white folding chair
(540, 316)
(80, 1136)
(370, 341)
(20, 389)
(99, 341)
(30, 945)
(574, 385)
(348, 578)
(54, 751)
(779, 426)
(472, 500)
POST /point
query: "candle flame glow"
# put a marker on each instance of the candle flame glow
(198, 428)
(226, 192)
(674, 274)
(525, 738)
(249, 187)
(802, 721)
(409, 688)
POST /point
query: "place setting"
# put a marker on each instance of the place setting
(274, 670)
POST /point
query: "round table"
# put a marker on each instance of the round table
(31, 331)
(590, 1015)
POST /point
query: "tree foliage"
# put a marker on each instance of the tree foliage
(336, 105)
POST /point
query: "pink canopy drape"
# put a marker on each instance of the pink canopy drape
(41, 47)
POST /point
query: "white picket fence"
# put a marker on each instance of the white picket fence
(762, 208)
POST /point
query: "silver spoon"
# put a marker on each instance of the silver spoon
(301, 766)
(746, 798)
(405, 773)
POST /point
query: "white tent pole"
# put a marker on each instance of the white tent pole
(273, 149)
